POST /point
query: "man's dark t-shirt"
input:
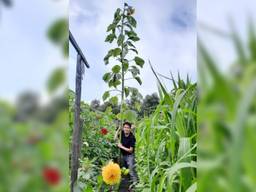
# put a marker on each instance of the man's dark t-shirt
(128, 142)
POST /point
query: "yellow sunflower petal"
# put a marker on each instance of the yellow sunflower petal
(111, 173)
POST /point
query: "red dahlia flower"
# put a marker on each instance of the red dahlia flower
(51, 175)
(104, 131)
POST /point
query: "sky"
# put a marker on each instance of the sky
(27, 57)
(167, 31)
(219, 14)
(168, 39)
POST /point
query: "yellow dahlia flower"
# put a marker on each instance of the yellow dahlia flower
(111, 173)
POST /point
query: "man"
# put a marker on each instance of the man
(127, 147)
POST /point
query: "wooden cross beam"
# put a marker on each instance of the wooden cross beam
(77, 48)
(77, 130)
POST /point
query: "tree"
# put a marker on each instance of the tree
(27, 106)
(95, 104)
(149, 104)
(105, 105)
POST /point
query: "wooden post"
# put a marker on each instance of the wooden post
(77, 131)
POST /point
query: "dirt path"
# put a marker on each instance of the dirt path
(124, 185)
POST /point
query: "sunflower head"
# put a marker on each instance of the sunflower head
(111, 173)
(130, 11)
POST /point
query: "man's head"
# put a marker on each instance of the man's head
(127, 127)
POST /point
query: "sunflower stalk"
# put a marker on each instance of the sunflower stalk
(121, 31)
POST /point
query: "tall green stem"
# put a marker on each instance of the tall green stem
(122, 61)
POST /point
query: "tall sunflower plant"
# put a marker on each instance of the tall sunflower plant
(124, 60)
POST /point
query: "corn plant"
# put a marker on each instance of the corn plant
(166, 141)
(227, 118)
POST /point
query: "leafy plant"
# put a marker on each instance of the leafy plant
(227, 117)
(166, 141)
(121, 32)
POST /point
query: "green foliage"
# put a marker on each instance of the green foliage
(114, 100)
(139, 61)
(227, 143)
(58, 34)
(130, 115)
(166, 139)
(105, 95)
(116, 69)
(57, 31)
(126, 91)
(106, 77)
(166, 143)
(56, 80)
(138, 79)
(28, 146)
(97, 148)
(110, 38)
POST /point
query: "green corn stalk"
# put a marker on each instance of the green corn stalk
(224, 157)
(166, 154)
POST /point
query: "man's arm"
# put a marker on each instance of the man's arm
(129, 150)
